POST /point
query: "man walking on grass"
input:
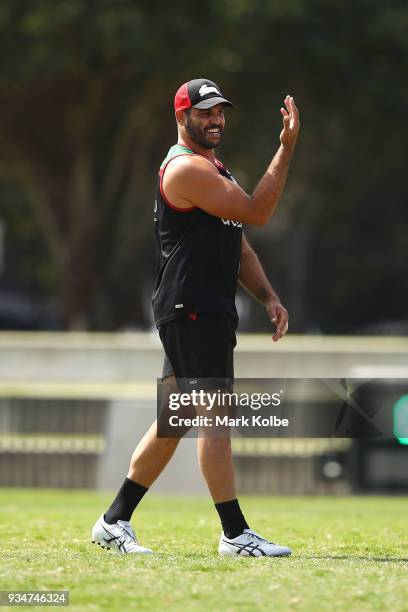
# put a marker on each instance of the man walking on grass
(202, 253)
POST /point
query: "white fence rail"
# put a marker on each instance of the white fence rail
(73, 406)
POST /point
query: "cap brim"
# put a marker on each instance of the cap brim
(212, 102)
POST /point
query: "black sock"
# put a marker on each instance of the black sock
(232, 520)
(128, 497)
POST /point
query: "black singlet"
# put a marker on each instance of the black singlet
(198, 254)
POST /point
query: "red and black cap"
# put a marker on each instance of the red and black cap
(199, 93)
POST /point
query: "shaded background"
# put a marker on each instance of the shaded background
(86, 117)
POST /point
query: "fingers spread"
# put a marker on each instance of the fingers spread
(290, 105)
(293, 109)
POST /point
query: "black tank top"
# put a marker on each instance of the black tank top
(198, 255)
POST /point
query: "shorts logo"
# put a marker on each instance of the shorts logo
(206, 89)
(179, 306)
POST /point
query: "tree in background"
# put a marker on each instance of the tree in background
(85, 101)
(86, 117)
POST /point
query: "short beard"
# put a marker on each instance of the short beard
(198, 137)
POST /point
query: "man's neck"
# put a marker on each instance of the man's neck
(190, 144)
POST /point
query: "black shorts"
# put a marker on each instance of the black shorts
(199, 352)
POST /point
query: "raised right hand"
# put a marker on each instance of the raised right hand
(291, 123)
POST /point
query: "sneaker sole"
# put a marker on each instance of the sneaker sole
(117, 551)
(101, 545)
(236, 556)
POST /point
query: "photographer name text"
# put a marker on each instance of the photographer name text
(226, 421)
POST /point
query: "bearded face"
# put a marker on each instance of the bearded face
(205, 127)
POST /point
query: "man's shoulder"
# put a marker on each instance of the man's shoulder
(185, 178)
(194, 165)
(176, 150)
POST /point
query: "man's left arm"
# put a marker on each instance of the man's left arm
(253, 278)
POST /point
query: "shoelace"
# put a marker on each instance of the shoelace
(129, 535)
(255, 536)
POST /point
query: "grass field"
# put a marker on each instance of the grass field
(349, 553)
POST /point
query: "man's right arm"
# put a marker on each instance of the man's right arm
(194, 180)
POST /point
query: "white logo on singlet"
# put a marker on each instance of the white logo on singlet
(179, 306)
(230, 222)
(206, 89)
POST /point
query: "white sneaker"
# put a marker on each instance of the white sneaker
(119, 536)
(251, 544)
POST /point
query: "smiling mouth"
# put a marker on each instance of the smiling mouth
(214, 132)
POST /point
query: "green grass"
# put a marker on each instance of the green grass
(349, 553)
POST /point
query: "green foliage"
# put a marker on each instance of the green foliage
(86, 91)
